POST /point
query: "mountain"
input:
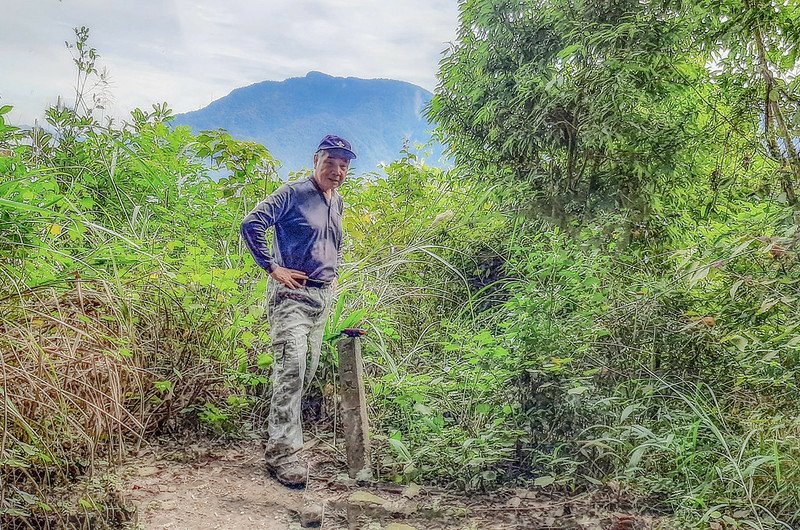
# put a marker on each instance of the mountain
(290, 117)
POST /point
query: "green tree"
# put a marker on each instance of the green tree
(752, 49)
(579, 100)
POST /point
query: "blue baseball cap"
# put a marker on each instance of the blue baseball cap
(337, 146)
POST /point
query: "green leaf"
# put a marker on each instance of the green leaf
(569, 50)
(699, 274)
(627, 412)
(735, 287)
(400, 448)
(483, 408)
(163, 386)
(636, 457)
(737, 340)
(741, 247)
(264, 361)
(423, 409)
(247, 338)
(774, 94)
(767, 304)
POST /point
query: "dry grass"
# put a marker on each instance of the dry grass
(69, 387)
(78, 384)
(66, 373)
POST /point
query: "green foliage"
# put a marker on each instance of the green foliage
(647, 337)
(577, 104)
(754, 47)
(126, 305)
(659, 325)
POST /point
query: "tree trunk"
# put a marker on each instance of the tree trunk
(773, 119)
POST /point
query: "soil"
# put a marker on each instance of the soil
(208, 486)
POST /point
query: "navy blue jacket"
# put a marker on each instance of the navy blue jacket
(308, 230)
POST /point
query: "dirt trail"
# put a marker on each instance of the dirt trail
(201, 486)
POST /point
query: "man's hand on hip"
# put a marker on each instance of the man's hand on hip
(288, 277)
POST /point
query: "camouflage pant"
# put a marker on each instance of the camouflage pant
(297, 322)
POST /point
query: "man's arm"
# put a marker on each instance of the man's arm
(254, 232)
(257, 222)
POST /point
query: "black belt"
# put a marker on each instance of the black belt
(316, 284)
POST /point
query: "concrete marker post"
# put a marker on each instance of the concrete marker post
(354, 404)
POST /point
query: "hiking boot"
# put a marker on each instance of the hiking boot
(289, 473)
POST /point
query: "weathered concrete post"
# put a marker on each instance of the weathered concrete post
(354, 404)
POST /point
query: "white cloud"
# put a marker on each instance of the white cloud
(190, 52)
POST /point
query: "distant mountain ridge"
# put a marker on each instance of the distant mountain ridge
(290, 117)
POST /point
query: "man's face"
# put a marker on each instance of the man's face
(329, 171)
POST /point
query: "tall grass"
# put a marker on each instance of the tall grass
(679, 442)
(71, 393)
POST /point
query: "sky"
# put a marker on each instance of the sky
(189, 53)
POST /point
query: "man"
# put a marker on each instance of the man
(303, 265)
